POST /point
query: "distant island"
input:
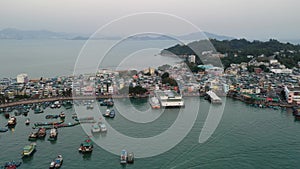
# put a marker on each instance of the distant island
(241, 50)
(12, 33)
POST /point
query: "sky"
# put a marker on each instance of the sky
(251, 19)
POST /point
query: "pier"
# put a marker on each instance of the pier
(213, 98)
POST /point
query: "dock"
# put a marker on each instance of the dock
(213, 98)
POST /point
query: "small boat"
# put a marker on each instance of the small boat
(27, 122)
(33, 136)
(41, 132)
(109, 113)
(107, 102)
(12, 122)
(17, 113)
(11, 165)
(68, 104)
(154, 102)
(123, 159)
(29, 150)
(53, 134)
(51, 116)
(130, 158)
(103, 127)
(2, 130)
(62, 115)
(89, 106)
(86, 146)
(96, 128)
(57, 162)
(48, 123)
(38, 110)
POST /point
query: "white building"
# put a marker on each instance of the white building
(22, 78)
(192, 59)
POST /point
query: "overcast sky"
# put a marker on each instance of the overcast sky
(252, 19)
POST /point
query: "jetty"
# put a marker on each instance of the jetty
(213, 98)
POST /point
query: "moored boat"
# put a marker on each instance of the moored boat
(95, 128)
(53, 134)
(11, 165)
(103, 127)
(33, 136)
(47, 123)
(41, 132)
(50, 116)
(86, 146)
(27, 122)
(154, 102)
(57, 162)
(12, 121)
(130, 158)
(38, 110)
(123, 158)
(62, 115)
(28, 150)
(109, 113)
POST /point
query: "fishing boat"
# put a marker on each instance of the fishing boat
(109, 113)
(53, 134)
(123, 159)
(27, 122)
(96, 128)
(48, 123)
(41, 132)
(17, 113)
(7, 115)
(51, 116)
(107, 102)
(33, 136)
(57, 162)
(12, 121)
(28, 150)
(130, 158)
(2, 130)
(11, 165)
(86, 146)
(154, 102)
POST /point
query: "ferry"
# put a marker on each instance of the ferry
(28, 150)
(154, 102)
(57, 162)
(169, 98)
(123, 158)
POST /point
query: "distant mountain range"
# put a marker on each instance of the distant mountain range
(12, 33)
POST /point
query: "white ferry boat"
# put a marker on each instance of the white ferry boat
(169, 98)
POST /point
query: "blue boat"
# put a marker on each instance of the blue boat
(109, 113)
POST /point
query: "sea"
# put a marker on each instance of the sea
(246, 137)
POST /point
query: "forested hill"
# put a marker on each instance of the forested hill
(241, 50)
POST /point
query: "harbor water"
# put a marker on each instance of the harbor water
(247, 137)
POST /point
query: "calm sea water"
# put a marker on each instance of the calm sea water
(246, 137)
(51, 58)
